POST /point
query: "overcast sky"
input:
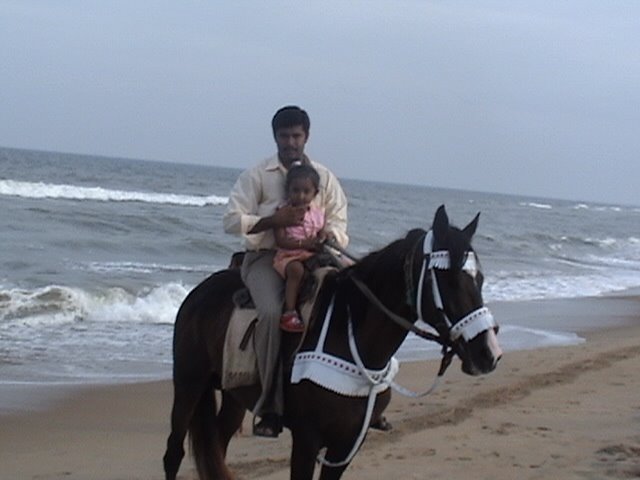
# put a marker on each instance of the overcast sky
(531, 97)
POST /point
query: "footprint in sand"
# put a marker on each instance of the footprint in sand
(620, 461)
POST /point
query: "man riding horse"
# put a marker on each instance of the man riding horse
(253, 213)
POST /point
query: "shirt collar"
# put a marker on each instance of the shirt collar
(273, 163)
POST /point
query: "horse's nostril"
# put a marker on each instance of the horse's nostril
(498, 358)
(490, 359)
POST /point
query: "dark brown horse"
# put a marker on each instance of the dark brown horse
(370, 307)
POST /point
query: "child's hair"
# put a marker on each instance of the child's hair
(302, 170)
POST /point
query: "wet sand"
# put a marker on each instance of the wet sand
(560, 412)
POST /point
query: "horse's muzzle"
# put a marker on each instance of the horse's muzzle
(484, 353)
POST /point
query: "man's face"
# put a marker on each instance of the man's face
(290, 142)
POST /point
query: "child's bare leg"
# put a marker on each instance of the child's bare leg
(294, 272)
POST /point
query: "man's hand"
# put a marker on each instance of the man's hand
(326, 237)
(285, 216)
(322, 237)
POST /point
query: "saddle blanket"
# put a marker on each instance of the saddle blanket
(239, 364)
(239, 367)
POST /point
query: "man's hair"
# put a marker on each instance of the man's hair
(290, 116)
(302, 170)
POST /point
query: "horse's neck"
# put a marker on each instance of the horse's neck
(378, 337)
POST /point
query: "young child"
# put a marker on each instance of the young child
(299, 242)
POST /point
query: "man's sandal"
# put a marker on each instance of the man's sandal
(270, 426)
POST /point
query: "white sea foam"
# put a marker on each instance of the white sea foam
(544, 206)
(58, 305)
(524, 338)
(141, 267)
(40, 190)
(511, 286)
(511, 338)
(604, 242)
(156, 306)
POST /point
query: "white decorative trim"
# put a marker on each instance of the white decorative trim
(340, 376)
(344, 378)
(473, 324)
(440, 260)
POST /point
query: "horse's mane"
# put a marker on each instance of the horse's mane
(389, 257)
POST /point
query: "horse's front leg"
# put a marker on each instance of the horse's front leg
(345, 438)
(337, 451)
(332, 473)
(306, 445)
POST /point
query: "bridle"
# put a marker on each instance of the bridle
(467, 327)
(448, 332)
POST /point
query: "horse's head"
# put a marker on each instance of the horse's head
(450, 295)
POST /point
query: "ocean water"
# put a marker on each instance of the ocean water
(98, 253)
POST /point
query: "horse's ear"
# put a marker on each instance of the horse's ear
(440, 223)
(470, 229)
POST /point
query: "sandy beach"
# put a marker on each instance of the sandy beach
(560, 412)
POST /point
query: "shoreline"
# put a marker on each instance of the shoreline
(566, 412)
(537, 318)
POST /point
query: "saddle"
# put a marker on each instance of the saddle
(239, 366)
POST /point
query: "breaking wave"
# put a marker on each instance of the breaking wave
(41, 190)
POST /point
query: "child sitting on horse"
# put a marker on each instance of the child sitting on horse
(298, 242)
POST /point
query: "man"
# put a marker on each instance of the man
(253, 213)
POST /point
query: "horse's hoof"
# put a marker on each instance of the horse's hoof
(382, 425)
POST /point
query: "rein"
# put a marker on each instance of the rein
(401, 321)
(447, 354)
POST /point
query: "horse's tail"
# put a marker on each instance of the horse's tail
(205, 440)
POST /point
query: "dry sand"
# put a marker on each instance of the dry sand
(562, 412)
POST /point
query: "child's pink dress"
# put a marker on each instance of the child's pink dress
(311, 225)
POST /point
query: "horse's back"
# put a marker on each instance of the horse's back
(216, 288)
(201, 322)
